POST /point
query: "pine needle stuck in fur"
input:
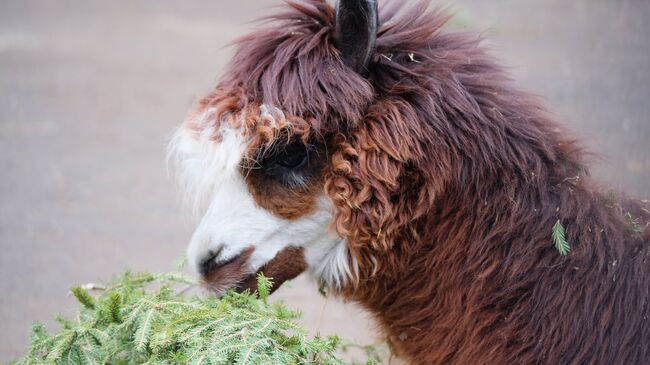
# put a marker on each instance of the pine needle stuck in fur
(559, 239)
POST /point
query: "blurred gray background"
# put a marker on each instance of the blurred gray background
(91, 91)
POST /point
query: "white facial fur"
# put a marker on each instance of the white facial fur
(210, 176)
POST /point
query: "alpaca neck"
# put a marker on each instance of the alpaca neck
(429, 293)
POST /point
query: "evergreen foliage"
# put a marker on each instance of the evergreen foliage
(559, 239)
(130, 323)
(633, 223)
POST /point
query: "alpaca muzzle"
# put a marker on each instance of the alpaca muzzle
(236, 273)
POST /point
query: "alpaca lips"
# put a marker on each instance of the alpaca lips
(236, 273)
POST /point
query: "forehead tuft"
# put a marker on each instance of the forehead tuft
(251, 131)
(291, 63)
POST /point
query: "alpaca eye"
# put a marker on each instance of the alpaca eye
(294, 156)
(294, 165)
(292, 161)
(287, 160)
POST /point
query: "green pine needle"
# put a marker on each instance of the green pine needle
(322, 289)
(61, 346)
(633, 223)
(559, 239)
(113, 307)
(264, 286)
(146, 319)
(83, 297)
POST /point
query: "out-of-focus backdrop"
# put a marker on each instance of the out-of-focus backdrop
(90, 92)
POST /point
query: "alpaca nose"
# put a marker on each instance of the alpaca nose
(217, 262)
(212, 261)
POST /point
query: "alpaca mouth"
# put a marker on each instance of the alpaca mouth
(236, 273)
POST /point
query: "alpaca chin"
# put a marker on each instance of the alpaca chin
(229, 275)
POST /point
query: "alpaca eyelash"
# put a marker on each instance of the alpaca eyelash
(295, 180)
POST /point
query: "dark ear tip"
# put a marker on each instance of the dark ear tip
(355, 32)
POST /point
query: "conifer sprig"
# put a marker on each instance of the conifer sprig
(559, 239)
(83, 297)
(130, 323)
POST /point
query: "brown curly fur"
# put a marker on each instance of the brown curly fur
(446, 181)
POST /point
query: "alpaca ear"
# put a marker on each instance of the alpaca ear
(356, 32)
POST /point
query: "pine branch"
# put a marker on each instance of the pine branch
(129, 323)
(264, 286)
(142, 335)
(113, 307)
(61, 347)
(559, 239)
(83, 297)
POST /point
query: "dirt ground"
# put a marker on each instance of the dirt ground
(91, 91)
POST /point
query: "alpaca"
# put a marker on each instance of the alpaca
(398, 164)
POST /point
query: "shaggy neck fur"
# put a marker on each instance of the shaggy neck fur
(456, 179)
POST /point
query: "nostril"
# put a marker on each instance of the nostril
(210, 261)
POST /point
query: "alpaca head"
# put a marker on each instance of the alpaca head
(259, 156)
